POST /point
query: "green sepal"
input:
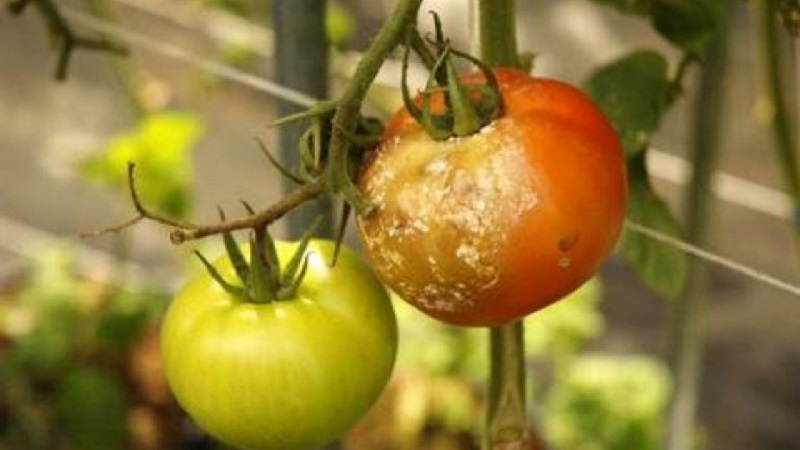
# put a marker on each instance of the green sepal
(437, 131)
(465, 113)
(465, 116)
(322, 109)
(340, 232)
(264, 283)
(290, 278)
(231, 289)
(277, 165)
(490, 102)
(248, 207)
(235, 255)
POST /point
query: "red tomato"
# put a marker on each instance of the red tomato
(485, 229)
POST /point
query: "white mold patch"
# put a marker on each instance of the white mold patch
(452, 205)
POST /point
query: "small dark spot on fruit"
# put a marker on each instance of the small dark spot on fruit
(568, 242)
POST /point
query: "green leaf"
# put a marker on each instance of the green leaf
(560, 331)
(609, 402)
(661, 267)
(641, 7)
(340, 24)
(634, 92)
(688, 24)
(125, 317)
(93, 409)
(234, 252)
(160, 146)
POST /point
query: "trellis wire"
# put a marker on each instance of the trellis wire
(207, 64)
(290, 95)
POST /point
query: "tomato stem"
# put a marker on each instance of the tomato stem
(687, 321)
(507, 424)
(506, 419)
(346, 117)
(778, 78)
(466, 107)
(497, 33)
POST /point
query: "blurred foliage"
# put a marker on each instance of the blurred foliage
(340, 24)
(243, 8)
(160, 145)
(435, 400)
(607, 402)
(661, 267)
(65, 349)
(635, 92)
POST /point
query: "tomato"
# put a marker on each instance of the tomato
(484, 229)
(282, 375)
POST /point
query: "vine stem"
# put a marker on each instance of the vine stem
(335, 180)
(497, 35)
(345, 118)
(507, 425)
(780, 118)
(687, 330)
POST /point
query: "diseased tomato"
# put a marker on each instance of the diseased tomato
(287, 374)
(485, 229)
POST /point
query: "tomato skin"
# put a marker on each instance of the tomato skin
(291, 374)
(485, 229)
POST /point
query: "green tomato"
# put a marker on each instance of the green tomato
(289, 374)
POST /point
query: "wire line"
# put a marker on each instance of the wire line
(209, 65)
(713, 258)
(300, 99)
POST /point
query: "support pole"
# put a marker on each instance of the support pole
(301, 58)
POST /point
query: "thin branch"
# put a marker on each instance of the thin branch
(65, 37)
(17, 7)
(184, 231)
(309, 191)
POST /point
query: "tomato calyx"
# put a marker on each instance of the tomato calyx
(313, 144)
(261, 279)
(449, 106)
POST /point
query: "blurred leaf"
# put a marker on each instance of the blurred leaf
(607, 402)
(340, 24)
(688, 24)
(553, 333)
(92, 406)
(125, 318)
(49, 301)
(660, 266)
(236, 7)
(160, 146)
(45, 351)
(439, 349)
(641, 7)
(52, 285)
(562, 329)
(634, 92)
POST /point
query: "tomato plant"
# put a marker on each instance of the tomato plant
(484, 229)
(289, 373)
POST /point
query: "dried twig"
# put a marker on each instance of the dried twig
(185, 231)
(64, 36)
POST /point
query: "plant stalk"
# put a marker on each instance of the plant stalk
(301, 53)
(687, 330)
(497, 33)
(781, 120)
(347, 112)
(507, 424)
(506, 418)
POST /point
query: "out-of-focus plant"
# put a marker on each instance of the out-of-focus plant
(66, 377)
(586, 401)
(160, 145)
(607, 402)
